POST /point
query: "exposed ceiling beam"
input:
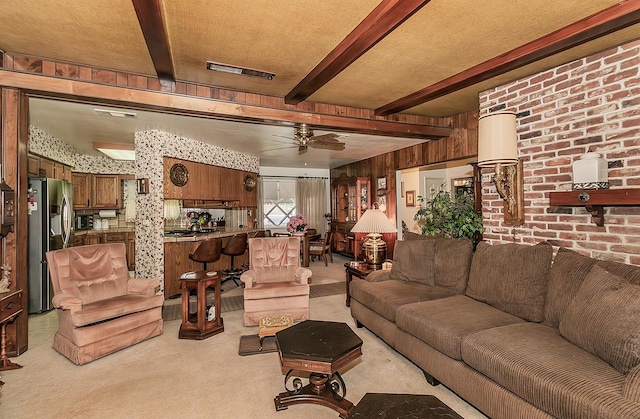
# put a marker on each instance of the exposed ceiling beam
(378, 24)
(152, 24)
(36, 85)
(614, 18)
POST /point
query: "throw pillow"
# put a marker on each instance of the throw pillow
(452, 263)
(568, 270)
(604, 319)
(413, 261)
(511, 277)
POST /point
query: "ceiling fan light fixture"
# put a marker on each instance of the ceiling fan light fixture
(226, 68)
(116, 151)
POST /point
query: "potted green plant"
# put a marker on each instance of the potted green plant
(449, 216)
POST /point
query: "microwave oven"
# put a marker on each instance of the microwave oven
(84, 222)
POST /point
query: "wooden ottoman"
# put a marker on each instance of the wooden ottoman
(269, 325)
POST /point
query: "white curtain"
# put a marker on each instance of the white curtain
(311, 201)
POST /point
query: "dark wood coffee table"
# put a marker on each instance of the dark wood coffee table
(320, 348)
(375, 405)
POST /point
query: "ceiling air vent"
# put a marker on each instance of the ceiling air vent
(115, 114)
(226, 68)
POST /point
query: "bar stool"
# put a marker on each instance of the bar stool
(236, 247)
(207, 252)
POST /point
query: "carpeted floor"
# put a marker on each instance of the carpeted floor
(167, 377)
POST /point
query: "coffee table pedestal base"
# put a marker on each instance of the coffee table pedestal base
(320, 390)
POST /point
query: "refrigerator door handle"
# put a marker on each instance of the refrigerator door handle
(65, 212)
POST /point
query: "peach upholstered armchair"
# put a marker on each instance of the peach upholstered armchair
(275, 283)
(100, 310)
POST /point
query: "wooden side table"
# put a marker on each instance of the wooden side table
(195, 325)
(361, 270)
(10, 308)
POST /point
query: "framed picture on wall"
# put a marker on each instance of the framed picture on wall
(382, 183)
(410, 198)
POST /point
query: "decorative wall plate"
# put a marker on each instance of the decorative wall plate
(249, 183)
(179, 174)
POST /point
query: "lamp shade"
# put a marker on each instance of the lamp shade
(374, 221)
(497, 139)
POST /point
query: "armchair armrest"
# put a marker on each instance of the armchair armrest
(143, 286)
(67, 302)
(302, 275)
(248, 278)
(378, 276)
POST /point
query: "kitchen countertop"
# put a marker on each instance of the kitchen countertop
(102, 231)
(194, 237)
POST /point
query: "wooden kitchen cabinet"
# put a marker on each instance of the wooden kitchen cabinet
(106, 192)
(33, 165)
(93, 239)
(131, 250)
(81, 190)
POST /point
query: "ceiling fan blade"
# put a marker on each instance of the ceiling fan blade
(328, 146)
(325, 137)
(302, 149)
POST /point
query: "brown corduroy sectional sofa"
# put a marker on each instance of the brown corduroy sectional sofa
(512, 333)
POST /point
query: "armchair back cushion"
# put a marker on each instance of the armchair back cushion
(274, 259)
(91, 273)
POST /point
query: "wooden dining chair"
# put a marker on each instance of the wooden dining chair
(322, 248)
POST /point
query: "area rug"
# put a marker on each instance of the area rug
(250, 345)
(172, 309)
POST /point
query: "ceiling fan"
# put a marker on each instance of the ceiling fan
(303, 137)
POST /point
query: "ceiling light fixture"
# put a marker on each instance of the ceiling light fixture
(226, 68)
(115, 114)
(117, 151)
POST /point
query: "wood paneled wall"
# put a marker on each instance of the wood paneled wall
(463, 143)
(14, 170)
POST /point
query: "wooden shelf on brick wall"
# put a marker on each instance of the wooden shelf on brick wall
(595, 200)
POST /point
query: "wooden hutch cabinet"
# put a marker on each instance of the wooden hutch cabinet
(351, 197)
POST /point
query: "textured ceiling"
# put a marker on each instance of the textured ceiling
(291, 37)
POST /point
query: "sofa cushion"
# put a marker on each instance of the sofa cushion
(413, 261)
(604, 319)
(387, 296)
(533, 361)
(111, 308)
(511, 277)
(452, 262)
(443, 323)
(565, 277)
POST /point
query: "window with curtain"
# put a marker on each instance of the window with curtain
(311, 201)
(279, 202)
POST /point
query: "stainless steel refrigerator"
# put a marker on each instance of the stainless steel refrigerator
(50, 228)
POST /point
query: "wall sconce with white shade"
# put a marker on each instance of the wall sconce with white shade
(498, 147)
(374, 222)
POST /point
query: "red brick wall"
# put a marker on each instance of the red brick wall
(592, 104)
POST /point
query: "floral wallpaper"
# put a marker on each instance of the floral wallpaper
(47, 145)
(151, 147)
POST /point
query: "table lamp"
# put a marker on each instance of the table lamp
(374, 222)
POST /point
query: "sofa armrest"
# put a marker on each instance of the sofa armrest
(248, 278)
(302, 275)
(67, 302)
(378, 276)
(143, 286)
